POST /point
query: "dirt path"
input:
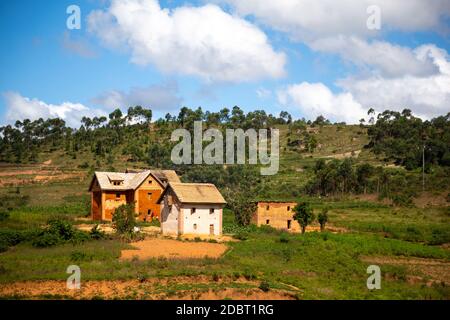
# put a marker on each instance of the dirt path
(154, 248)
(148, 289)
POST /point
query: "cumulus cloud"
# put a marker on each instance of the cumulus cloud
(157, 97)
(311, 19)
(315, 99)
(20, 108)
(427, 96)
(204, 41)
(379, 56)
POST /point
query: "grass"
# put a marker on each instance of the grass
(320, 265)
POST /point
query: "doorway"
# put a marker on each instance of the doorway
(211, 229)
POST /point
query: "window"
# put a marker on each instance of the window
(192, 210)
(267, 207)
(150, 181)
(289, 224)
(267, 221)
(195, 226)
(117, 195)
(289, 208)
(149, 212)
(149, 196)
(211, 211)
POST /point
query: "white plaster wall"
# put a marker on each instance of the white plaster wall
(169, 218)
(202, 218)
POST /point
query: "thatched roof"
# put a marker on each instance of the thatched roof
(127, 181)
(201, 193)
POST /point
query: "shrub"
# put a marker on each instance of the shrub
(284, 238)
(323, 219)
(264, 286)
(4, 214)
(96, 233)
(46, 239)
(241, 235)
(59, 231)
(10, 238)
(124, 219)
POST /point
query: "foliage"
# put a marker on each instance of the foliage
(59, 231)
(96, 233)
(322, 218)
(303, 215)
(124, 219)
(264, 286)
(402, 137)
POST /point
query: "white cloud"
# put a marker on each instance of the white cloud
(381, 57)
(20, 108)
(315, 99)
(201, 41)
(156, 97)
(426, 96)
(311, 19)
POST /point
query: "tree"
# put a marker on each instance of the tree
(243, 208)
(123, 219)
(323, 219)
(303, 215)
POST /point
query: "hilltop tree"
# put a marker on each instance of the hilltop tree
(303, 215)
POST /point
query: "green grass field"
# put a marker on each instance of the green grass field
(311, 266)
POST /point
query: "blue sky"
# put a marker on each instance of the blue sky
(308, 68)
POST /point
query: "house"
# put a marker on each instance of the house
(110, 190)
(278, 215)
(191, 208)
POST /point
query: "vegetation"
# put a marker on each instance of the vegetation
(322, 218)
(368, 193)
(303, 215)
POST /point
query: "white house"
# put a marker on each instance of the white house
(191, 208)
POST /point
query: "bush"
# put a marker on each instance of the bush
(96, 233)
(9, 238)
(124, 219)
(59, 231)
(46, 239)
(284, 238)
(4, 214)
(264, 286)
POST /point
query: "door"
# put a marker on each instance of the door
(211, 229)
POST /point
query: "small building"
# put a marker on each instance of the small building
(110, 190)
(278, 215)
(191, 208)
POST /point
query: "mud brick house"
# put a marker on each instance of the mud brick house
(110, 190)
(191, 208)
(278, 215)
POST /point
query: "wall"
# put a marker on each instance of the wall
(111, 202)
(169, 216)
(202, 218)
(144, 203)
(277, 214)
